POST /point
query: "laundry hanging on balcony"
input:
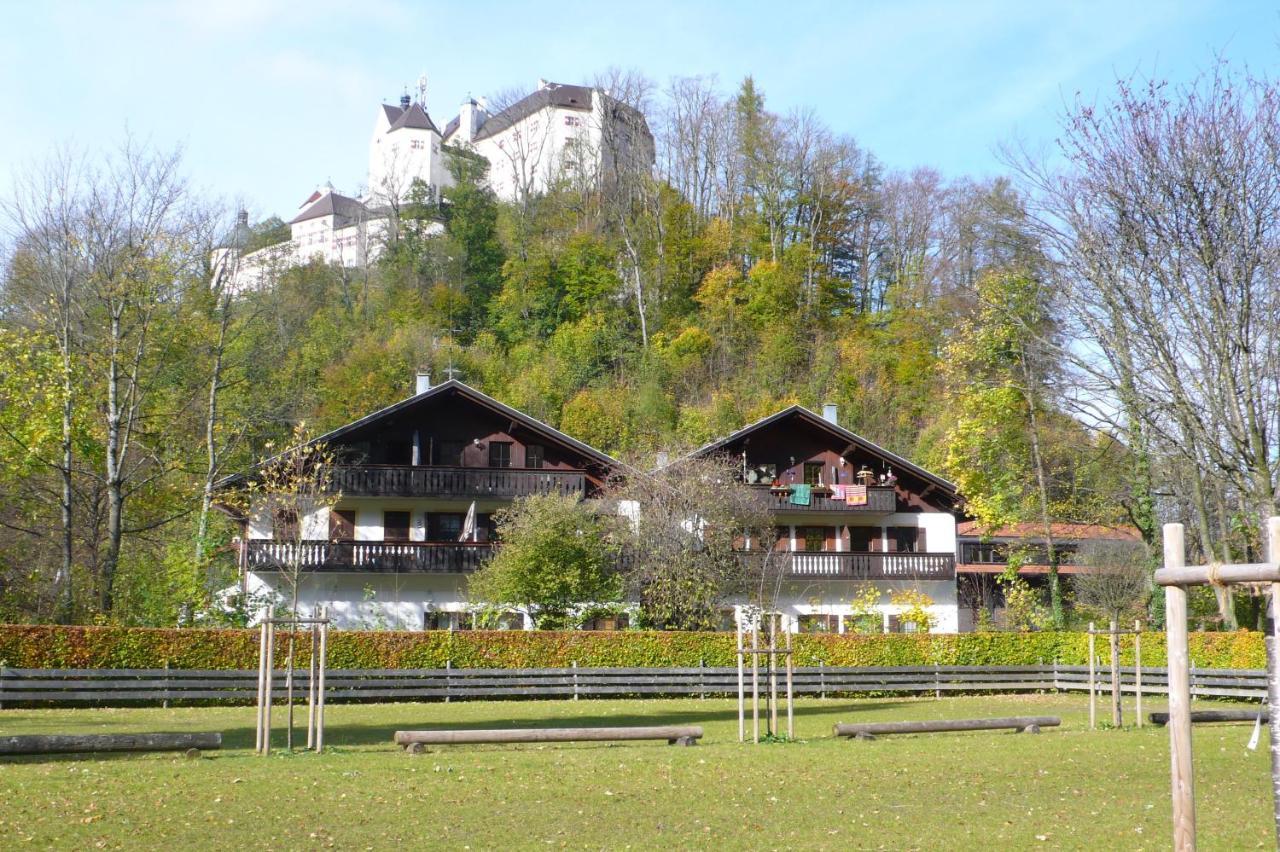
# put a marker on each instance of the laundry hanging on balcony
(855, 495)
(838, 491)
(801, 495)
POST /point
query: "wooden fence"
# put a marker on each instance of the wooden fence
(129, 686)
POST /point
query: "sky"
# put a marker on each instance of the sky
(269, 99)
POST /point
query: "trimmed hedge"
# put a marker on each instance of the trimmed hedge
(55, 646)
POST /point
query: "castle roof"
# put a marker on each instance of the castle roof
(550, 95)
(331, 204)
(415, 117)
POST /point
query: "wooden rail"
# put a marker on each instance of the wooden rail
(408, 557)
(461, 482)
(871, 566)
(674, 735)
(880, 499)
(133, 686)
(83, 743)
(870, 730)
(1204, 716)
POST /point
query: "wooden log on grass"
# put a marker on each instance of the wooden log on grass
(1204, 716)
(867, 730)
(85, 743)
(673, 734)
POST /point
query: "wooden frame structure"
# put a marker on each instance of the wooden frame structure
(771, 655)
(319, 629)
(1114, 632)
(1176, 576)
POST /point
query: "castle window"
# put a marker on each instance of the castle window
(416, 144)
(572, 121)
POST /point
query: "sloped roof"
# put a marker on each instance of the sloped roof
(415, 117)
(453, 386)
(391, 112)
(331, 204)
(1079, 532)
(452, 127)
(551, 95)
(840, 432)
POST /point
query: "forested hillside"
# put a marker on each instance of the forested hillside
(765, 261)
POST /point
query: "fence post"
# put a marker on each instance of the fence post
(167, 685)
(702, 677)
(822, 679)
(937, 682)
(1137, 668)
(574, 663)
(1093, 695)
(4, 665)
(448, 679)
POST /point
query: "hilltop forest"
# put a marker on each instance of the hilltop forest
(978, 327)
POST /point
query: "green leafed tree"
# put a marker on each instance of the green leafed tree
(554, 557)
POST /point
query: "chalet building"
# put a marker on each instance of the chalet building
(983, 557)
(848, 514)
(419, 483)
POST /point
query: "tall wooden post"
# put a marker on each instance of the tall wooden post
(1175, 615)
(312, 674)
(742, 725)
(773, 674)
(1273, 669)
(1137, 670)
(271, 677)
(324, 652)
(791, 729)
(262, 684)
(1093, 691)
(1117, 718)
(755, 679)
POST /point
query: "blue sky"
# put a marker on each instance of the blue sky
(270, 98)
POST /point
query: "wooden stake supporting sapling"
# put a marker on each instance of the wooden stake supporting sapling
(319, 628)
(1176, 576)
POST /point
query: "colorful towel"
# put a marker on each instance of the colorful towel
(801, 495)
(856, 495)
(838, 491)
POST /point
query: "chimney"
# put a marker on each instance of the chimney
(404, 101)
(422, 383)
(830, 413)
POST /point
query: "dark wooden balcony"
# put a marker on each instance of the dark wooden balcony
(830, 565)
(407, 557)
(461, 482)
(882, 499)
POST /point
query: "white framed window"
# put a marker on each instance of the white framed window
(572, 121)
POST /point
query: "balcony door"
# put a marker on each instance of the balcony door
(395, 526)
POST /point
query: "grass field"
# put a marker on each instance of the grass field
(1067, 788)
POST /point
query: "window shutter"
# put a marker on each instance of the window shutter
(922, 545)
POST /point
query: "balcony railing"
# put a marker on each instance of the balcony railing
(869, 566)
(879, 499)
(463, 482)
(370, 556)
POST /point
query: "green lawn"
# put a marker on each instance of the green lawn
(1067, 788)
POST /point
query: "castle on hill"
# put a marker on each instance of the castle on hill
(579, 134)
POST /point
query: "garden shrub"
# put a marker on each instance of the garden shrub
(55, 646)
